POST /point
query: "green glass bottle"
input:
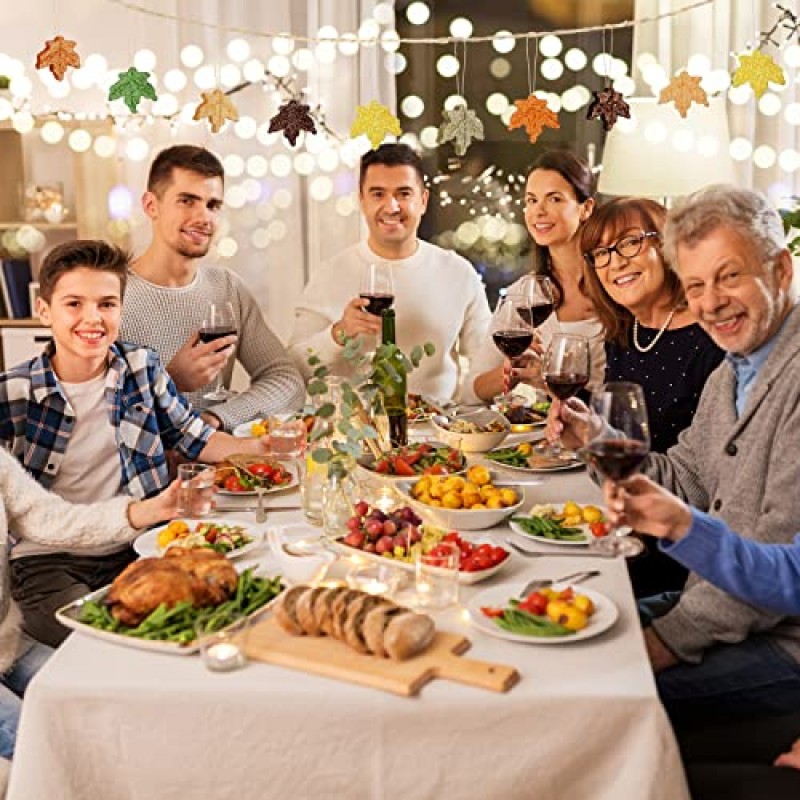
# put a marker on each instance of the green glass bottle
(393, 384)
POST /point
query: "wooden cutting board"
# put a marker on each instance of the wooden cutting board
(331, 658)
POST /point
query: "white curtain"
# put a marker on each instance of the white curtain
(717, 30)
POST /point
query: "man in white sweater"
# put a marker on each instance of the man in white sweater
(438, 296)
(169, 293)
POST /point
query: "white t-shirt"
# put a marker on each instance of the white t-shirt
(90, 470)
(439, 298)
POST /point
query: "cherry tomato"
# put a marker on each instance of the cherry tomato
(452, 537)
(435, 469)
(491, 612)
(383, 466)
(535, 603)
(499, 554)
(233, 484)
(403, 467)
(263, 470)
(599, 529)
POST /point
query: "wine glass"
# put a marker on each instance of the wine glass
(566, 368)
(218, 322)
(511, 333)
(377, 287)
(619, 449)
(536, 303)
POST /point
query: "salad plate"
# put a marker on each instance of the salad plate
(517, 459)
(584, 538)
(413, 460)
(605, 615)
(224, 472)
(243, 541)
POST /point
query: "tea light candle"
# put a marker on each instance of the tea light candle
(224, 656)
(385, 499)
(373, 586)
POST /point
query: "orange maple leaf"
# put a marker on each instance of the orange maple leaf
(534, 115)
(683, 90)
(58, 54)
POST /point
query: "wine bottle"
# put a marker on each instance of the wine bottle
(393, 384)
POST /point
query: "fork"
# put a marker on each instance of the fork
(544, 583)
(261, 512)
(530, 554)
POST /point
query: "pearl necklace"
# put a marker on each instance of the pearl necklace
(655, 338)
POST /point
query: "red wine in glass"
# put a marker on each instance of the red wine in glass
(535, 315)
(616, 459)
(512, 343)
(564, 385)
(212, 334)
(377, 303)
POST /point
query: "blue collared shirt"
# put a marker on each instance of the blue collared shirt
(148, 414)
(748, 367)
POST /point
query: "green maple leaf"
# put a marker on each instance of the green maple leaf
(460, 126)
(132, 86)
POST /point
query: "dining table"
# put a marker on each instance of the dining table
(584, 722)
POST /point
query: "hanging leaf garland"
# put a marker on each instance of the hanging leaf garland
(376, 121)
(217, 108)
(608, 105)
(534, 114)
(759, 70)
(292, 118)
(683, 90)
(57, 55)
(131, 87)
(460, 126)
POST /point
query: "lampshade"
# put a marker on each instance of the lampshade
(657, 153)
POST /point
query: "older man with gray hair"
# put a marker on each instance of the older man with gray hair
(716, 658)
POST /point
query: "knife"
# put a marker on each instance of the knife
(253, 508)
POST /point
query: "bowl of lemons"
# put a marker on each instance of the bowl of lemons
(471, 502)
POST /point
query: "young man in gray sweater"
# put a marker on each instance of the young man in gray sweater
(718, 659)
(169, 293)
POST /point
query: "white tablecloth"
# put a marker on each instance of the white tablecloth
(111, 723)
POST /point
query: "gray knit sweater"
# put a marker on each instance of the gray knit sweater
(163, 318)
(746, 471)
(31, 512)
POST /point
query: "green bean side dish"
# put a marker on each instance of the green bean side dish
(180, 623)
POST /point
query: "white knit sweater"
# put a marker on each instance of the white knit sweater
(439, 298)
(31, 512)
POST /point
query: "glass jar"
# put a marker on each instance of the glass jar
(338, 496)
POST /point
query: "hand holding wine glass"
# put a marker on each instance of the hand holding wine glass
(536, 299)
(619, 449)
(377, 288)
(511, 334)
(219, 322)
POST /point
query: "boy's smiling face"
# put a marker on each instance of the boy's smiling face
(84, 315)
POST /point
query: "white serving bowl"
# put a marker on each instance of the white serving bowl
(460, 519)
(472, 442)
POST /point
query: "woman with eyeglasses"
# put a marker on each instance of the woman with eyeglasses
(651, 337)
(559, 198)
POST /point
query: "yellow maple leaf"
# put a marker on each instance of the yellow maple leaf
(375, 120)
(216, 107)
(683, 90)
(759, 70)
(57, 55)
(534, 115)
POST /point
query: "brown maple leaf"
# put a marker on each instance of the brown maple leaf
(216, 107)
(292, 118)
(608, 105)
(683, 90)
(58, 54)
(534, 115)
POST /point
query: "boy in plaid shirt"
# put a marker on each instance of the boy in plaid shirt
(91, 418)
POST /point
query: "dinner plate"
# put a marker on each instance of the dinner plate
(464, 578)
(605, 615)
(147, 544)
(69, 616)
(244, 430)
(547, 463)
(583, 526)
(272, 490)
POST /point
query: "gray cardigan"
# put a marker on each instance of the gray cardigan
(746, 471)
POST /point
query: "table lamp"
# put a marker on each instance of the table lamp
(659, 154)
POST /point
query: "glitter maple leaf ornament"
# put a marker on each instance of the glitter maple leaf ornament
(683, 90)
(131, 87)
(460, 126)
(376, 121)
(609, 105)
(534, 115)
(217, 108)
(759, 70)
(57, 55)
(292, 118)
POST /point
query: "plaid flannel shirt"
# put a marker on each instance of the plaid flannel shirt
(144, 406)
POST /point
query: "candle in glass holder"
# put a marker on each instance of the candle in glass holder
(223, 656)
(373, 579)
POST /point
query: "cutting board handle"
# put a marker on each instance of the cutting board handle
(484, 674)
